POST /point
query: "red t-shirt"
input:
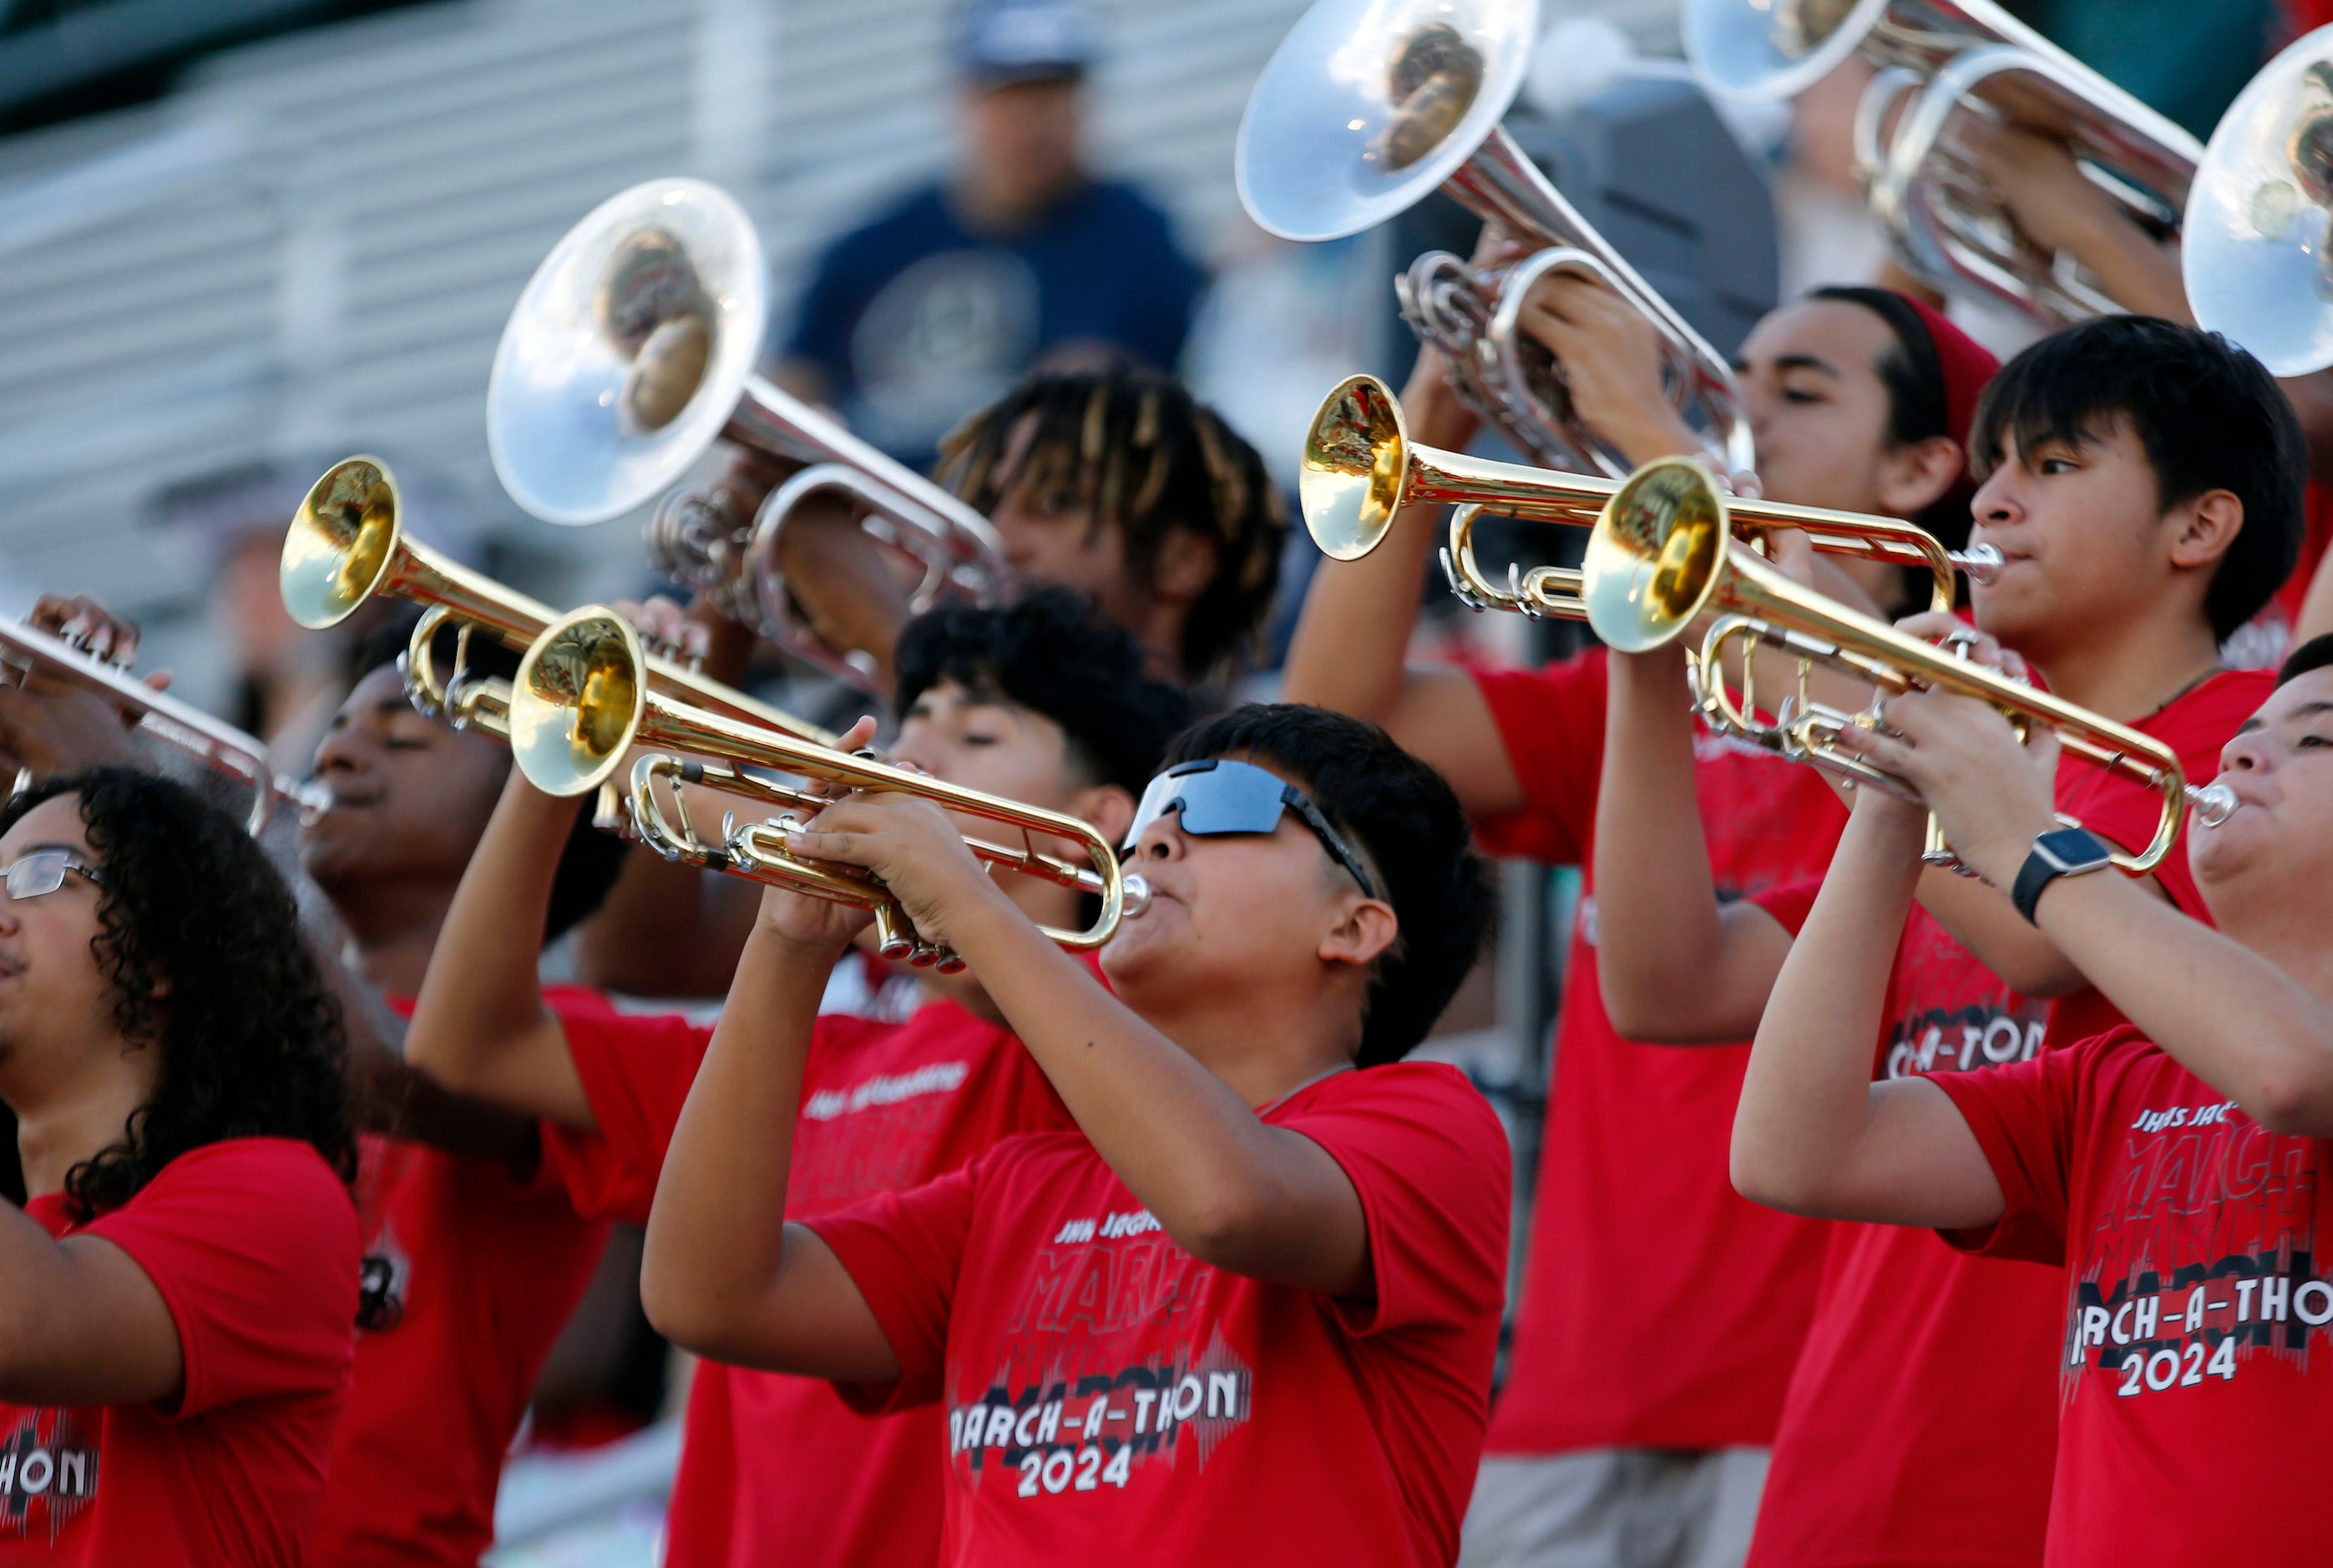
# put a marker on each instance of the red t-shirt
(1110, 1399)
(775, 1469)
(1920, 1427)
(2196, 1368)
(1620, 1340)
(485, 1268)
(253, 1244)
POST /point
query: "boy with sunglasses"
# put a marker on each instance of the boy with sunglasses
(2174, 1167)
(1249, 1306)
(1042, 703)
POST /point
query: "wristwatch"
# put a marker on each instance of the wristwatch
(2066, 852)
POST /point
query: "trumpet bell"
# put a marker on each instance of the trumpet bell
(1368, 105)
(341, 542)
(1653, 557)
(576, 702)
(1764, 49)
(1355, 457)
(2260, 215)
(627, 353)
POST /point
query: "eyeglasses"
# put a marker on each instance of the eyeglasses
(44, 871)
(1217, 795)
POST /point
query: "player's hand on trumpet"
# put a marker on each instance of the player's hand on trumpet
(49, 726)
(1611, 356)
(1991, 794)
(917, 852)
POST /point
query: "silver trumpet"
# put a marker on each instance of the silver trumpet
(25, 651)
(631, 352)
(2260, 214)
(1368, 107)
(1942, 64)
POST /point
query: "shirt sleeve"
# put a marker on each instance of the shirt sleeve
(1427, 1158)
(254, 1244)
(905, 1251)
(1550, 721)
(2025, 1117)
(635, 1072)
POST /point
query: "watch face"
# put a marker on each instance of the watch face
(2074, 849)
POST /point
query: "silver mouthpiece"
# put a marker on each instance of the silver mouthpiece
(2213, 803)
(1136, 893)
(1981, 563)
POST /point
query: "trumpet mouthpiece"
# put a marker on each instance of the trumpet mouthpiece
(2213, 805)
(1981, 563)
(1135, 893)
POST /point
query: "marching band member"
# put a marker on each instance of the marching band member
(1043, 703)
(1118, 484)
(179, 1295)
(2172, 1167)
(476, 1266)
(1249, 1307)
(2144, 481)
(1640, 1401)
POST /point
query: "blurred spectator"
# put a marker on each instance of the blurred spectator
(938, 304)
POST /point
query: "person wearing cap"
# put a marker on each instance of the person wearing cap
(1660, 1313)
(937, 304)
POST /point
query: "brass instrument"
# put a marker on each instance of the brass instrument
(1663, 554)
(347, 543)
(2260, 214)
(1953, 59)
(582, 702)
(1360, 468)
(218, 745)
(631, 351)
(1367, 108)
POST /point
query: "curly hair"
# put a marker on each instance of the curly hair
(1146, 457)
(251, 1043)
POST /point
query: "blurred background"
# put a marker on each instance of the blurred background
(240, 239)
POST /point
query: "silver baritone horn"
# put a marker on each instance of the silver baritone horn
(215, 744)
(631, 351)
(1367, 108)
(2261, 215)
(1944, 63)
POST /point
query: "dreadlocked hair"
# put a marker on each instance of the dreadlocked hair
(251, 1043)
(1146, 457)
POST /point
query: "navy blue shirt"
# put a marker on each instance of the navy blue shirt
(916, 321)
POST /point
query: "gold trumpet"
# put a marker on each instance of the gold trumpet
(1661, 556)
(1360, 468)
(347, 543)
(582, 701)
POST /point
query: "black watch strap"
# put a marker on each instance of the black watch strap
(2067, 853)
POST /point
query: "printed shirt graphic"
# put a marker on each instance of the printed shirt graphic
(917, 322)
(252, 1245)
(1659, 1308)
(1921, 1424)
(775, 1468)
(485, 1269)
(1109, 1398)
(2196, 1358)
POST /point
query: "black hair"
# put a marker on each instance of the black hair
(251, 1040)
(1406, 822)
(1146, 457)
(592, 861)
(2209, 415)
(2314, 654)
(1054, 654)
(1917, 407)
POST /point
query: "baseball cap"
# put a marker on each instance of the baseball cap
(997, 42)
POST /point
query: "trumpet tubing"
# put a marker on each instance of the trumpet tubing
(213, 742)
(581, 703)
(1661, 556)
(347, 545)
(1360, 468)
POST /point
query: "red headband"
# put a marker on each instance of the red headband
(1965, 364)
